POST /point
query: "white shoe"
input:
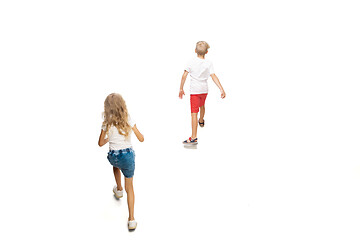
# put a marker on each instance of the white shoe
(132, 224)
(118, 194)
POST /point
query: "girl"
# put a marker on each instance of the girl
(117, 126)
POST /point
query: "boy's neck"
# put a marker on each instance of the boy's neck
(201, 56)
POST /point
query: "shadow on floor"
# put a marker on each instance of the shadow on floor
(117, 199)
(188, 146)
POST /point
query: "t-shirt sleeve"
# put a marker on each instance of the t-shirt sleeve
(131, 122)
(187, 66)
(211, 68)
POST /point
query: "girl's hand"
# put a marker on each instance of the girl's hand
(181, 93)
(223, 94)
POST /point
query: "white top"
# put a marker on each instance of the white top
(118, 141)
(199, 70)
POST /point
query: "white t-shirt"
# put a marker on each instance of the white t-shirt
(118, 141)
(199, 70)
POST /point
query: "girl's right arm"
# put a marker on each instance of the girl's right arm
(138, 133)
(102, 140)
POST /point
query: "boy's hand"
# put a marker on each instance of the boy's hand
(181, 93)
(223, 94)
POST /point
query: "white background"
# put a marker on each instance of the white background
(277, 159)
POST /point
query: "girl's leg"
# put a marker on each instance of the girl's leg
(194, 123)
(202, 113)
(117, 175)
(130, 197)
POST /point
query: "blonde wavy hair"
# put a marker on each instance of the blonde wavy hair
(116, 114)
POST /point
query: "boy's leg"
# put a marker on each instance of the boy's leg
(202, 107)
(194, 123)
(130, 197)
(202, 114)
(117, 175)
(194, 102)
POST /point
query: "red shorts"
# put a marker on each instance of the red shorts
(196, 101)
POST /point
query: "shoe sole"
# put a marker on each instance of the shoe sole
(195, 143)
(117, 196)
(133, 228)
(203, 124)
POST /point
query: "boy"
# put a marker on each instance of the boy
(200, 69)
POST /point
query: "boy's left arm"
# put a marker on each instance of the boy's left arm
(217, 82)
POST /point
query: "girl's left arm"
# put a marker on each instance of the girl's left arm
(102, 140)
(138, 134)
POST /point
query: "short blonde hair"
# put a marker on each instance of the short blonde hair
(202, 47)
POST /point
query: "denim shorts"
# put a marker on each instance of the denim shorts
(123, 159)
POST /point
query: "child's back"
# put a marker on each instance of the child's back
(118, 141)
(199, 70)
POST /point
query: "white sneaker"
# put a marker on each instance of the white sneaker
(118, 194)
(132, 224)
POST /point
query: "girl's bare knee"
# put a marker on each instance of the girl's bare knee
(128, 185)
(128, 188)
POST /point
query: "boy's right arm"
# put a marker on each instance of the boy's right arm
(183, 79)
(139, 136)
